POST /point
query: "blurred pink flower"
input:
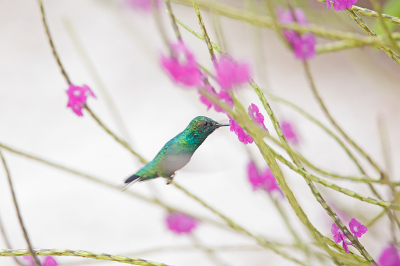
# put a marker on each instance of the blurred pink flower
(143, 5)
(303, 45)
(223, 96)
(340, 4)
(185, 71)
(77, 96)
(180, 223)
(242, 136)
(288, 132)
(338, 237)
(265, 180)
(47, 261)
(230, 74)
(256, 116)
(389, 257)
(357, 228)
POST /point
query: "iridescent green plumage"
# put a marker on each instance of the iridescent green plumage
(177, 152)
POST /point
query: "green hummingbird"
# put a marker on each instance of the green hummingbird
(177, 152)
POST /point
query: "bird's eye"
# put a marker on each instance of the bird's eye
(204, 123)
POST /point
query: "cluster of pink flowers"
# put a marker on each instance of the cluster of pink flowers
(340, 4)
(231, 74)
(239, 131)
(355, 227)
(303, 45)
(256, 116)
(182, 66)
(77, 96)
(47, 261)
(180, 223)
(262, 180)
(222, 96)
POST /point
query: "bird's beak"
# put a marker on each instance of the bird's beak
(221, 125)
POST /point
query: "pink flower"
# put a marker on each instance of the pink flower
(265, 180)
(77, 97)
(389, 257)
(180, 223)
(230, 74)
(304, 46)
(243, 137)
(357, 228)
(288, 132)
(340, 4)
(47, 261)
(256, 116)
(143, 5)
(184, 72)
(338, 237)
(223, 96)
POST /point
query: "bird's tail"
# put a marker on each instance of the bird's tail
(130, 181)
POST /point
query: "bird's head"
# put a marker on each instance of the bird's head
(203, 126)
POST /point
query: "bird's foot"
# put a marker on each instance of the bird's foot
(170, 178)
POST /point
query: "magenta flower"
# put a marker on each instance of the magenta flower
(265, 180)
(303, 45)
(47, 261)
(242, 136)
(338, 237)
(357, 228)
(77, 97)
(223, 96)
(256, 116)
(389, 257)
(180, 223)
(339, 5)
(288, 132)
(184, 72)
(143, 5)
(230, 73)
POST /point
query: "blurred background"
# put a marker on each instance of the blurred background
(142, 105)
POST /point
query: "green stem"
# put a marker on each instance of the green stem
(364, 26)
(53, 48)
(171, 14)
(21, 222)
(334, 123)
(121, 141)
(325, 183)
(235, 226)
(375, 219)
(378, 9)
(266, 21)
(79, 253)
(7, 242)
(204, 31)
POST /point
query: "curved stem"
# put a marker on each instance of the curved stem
(53, 48)
(121, 141)
(28, 242)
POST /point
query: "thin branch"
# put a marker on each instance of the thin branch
(30, 252)
(7, 242)
(121, 141)
(80, 253)
(234, 225)
(53, 48)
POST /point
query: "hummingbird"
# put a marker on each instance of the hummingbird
(177, 152)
